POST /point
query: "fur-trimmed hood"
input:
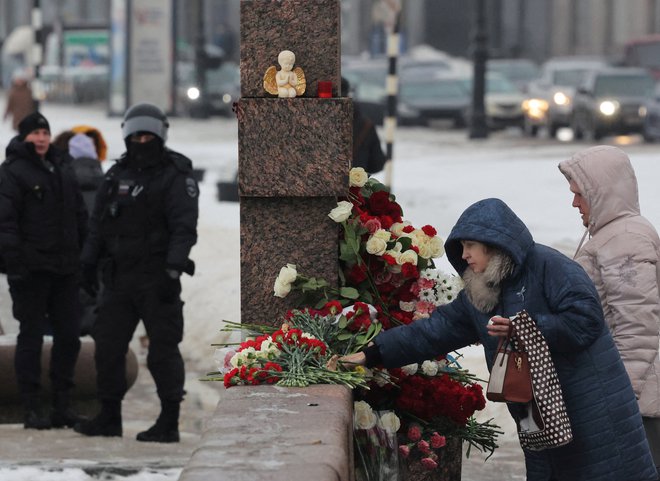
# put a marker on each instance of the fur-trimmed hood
(491, 222)
(484, 288)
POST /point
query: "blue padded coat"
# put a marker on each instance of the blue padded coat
(609, 441)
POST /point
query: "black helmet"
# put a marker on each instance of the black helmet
(145, 117)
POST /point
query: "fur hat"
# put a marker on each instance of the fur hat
(32, 122)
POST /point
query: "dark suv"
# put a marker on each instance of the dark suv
(611, 102)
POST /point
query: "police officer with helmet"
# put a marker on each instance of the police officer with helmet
(141, 231)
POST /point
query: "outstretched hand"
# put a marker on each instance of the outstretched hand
(499, 326)
(357, 359)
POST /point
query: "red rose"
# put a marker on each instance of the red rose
(429, 231)
(409, 270)
(414, 432)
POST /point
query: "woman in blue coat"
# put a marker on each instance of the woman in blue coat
(505, 271)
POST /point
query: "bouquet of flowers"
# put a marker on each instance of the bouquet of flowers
(303, 351)
(375, 443)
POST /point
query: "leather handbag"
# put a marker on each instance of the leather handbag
(510, 378)
(546, 424)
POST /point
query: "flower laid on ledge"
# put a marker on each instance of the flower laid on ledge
(301, 352)
(375, 436)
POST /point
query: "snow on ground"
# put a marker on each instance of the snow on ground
(437, 174)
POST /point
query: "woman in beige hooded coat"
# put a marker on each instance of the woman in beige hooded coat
(622, 258)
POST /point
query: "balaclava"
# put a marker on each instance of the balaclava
(145, 117)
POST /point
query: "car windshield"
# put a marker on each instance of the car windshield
(515, 71)
(433, 89)
(495, 84)
(568, 78)
(622, 85)
(226, 74)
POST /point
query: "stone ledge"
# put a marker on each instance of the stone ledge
(276, 433)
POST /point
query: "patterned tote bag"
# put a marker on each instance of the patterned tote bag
(547, 424)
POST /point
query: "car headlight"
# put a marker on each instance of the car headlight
(608, 107)
(560, 98)
(193, 93)
(643, 111)
(226, 98)
(535, 108)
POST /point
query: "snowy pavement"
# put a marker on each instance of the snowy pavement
(437, 174)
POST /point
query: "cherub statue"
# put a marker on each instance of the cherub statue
(288, 82)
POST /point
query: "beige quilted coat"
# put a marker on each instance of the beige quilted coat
(621, 257)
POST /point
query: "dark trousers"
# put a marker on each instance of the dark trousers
(120, 310)
(652, 428)
(46, 301)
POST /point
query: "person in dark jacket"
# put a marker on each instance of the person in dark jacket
(89, 173)
(142, 229)
(42, 228)
(505, 271)
(367, 151)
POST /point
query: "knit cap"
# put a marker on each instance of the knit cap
(32, 122)
(81, 145)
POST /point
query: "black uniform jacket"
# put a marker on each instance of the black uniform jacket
(145, 219)
(43, 219)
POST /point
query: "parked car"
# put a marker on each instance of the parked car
(612, 101)
(502, 101)
(551, 95)
(651, 128)
(428, 98)
(519, 71)
(223, 89)
(367, 80)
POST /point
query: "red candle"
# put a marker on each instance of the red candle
(324, 89)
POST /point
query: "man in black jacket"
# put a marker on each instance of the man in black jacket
(42, 227)
(142, 229)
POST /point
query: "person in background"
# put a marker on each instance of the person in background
(61, 140)
(142, 229)
(367, 151)
(506, 272)
(20, 102)
(622, 257)
(96, 136)
(87, 166)
(88, 171)
(43, 223)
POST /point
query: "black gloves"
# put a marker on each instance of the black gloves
(90, 280)
(169, 287)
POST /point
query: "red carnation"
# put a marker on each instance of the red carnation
(408, 229)
(429, 231)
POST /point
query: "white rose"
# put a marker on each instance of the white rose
(376, 246)
(437, 247)
(363, 416)
(357, 177)
(397, 228)
(288, 273)
(389, 422)
(281, 289)
(425, 248)
(341, 212)
(408, 256)
(410, 369)
(429, 368)
(382, 234)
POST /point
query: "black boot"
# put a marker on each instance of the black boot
(106, 423)
(62, 415)
(166, 429)
(34, 417)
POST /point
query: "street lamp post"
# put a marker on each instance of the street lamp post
(201, 62)
(478, 127)
(37, 51)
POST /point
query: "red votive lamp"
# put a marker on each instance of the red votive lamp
(325, 89)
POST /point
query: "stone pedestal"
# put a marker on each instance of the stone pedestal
(294, 154)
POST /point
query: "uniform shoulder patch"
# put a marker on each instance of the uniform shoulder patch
(191, 187)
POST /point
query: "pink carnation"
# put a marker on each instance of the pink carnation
(404, 450)
(437, 441)
(414, 433)
(424, 447)
(429, 464)
(372, 225)
(425, 283)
